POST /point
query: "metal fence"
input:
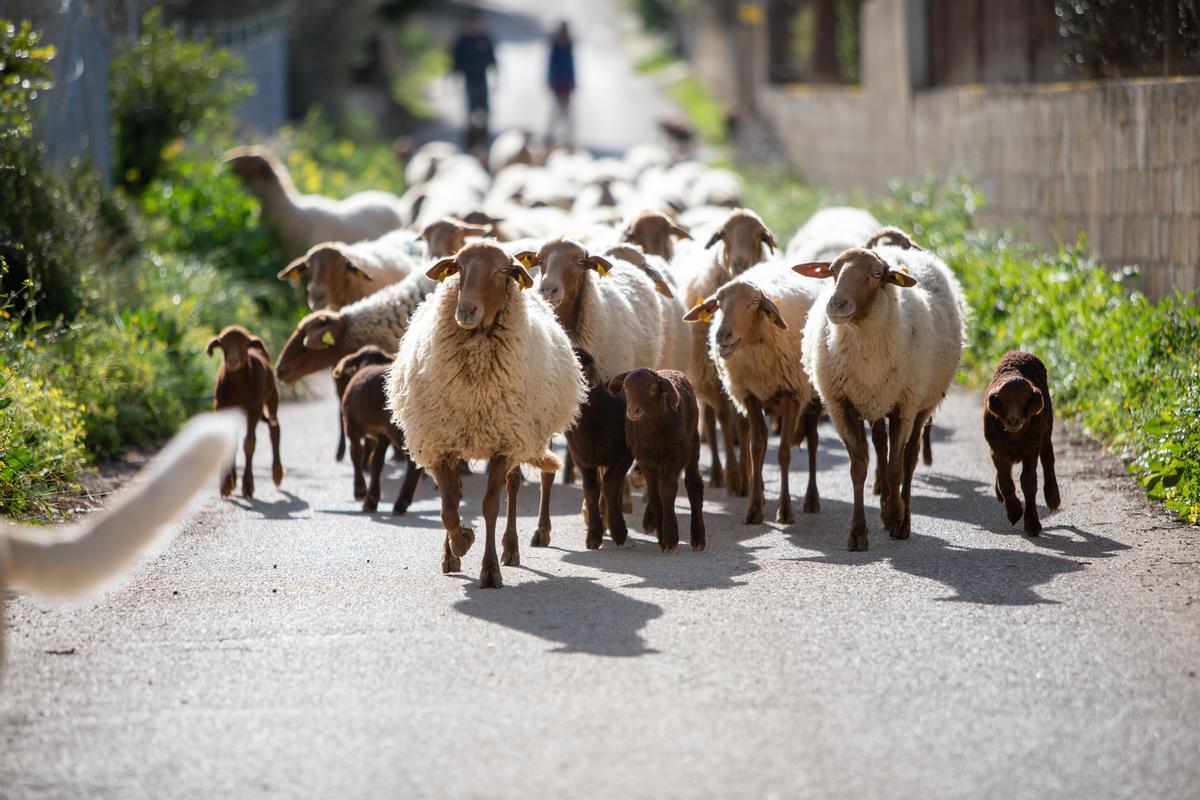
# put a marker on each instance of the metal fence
(261, 39)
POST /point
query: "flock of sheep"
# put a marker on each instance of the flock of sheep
(632, 305)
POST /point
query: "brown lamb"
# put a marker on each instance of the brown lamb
(1018, 420)
(342, 372)
(245, 380)
(661, 416)
(369, 429)
(597, 442)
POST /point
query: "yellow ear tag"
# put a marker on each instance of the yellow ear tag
(294, 277)
(327, 338)
(704, 315)
(526, 262)
(524, 281)
(445, 273)
(603, 270)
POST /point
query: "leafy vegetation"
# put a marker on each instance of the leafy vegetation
(704, 110)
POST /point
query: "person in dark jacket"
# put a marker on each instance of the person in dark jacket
(561, 76)
(474, 55)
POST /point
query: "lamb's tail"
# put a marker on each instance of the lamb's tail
(80, 559)
(546, 461)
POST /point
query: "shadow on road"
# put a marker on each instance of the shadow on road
(287, 508)
(578, 614)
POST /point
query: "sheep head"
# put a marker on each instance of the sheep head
(253, 165)
(334, 280)
(891, 237)
(632, 253)
(236, 343)
(485, 272)
(351, 364)
(564, 262)
(319, 341)
(744, 236)
(448, 235)
(858, 275)
(1014, 402)
(744, 310)
(653, 232)
(648, 395)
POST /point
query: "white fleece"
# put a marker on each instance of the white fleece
(829, 232)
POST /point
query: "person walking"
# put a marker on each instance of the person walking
(561, 76)
(474, 55)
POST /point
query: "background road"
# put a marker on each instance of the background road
(295, 647)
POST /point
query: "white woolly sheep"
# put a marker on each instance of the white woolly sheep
(484, 372)
(325, 337)
(304, 220)
(676, 334)
(340, 273)
(879, 346)
(714, 187)
(757, 326)
(513, 146)
(423, 163)
(830, 232)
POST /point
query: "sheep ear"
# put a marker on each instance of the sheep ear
(213, 343)
(475, 230)
(294, 270)
(600, 264)
(680, 232)
(993, 406)
(357, 270)
(527, 258)
(900, 278)
(617, 383)
(442, 270)
(814, 269)
(257, 343)
(1036, 402)
(670, 394)
(520, 275)
(660, 283)
(716, 237)
(768, 307)
(769, 240)
(703, 310)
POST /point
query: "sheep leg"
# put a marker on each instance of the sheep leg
(811, 417)
(359, 454)
(497, 476)
(695, 493)
(652, 517)
(591, 500)
(1033, 525)
(715, 473)
(341, 445)
(927, 443)
(568, 468)
(1006, 490)
(756, 450)
(1049, 478)
(511, 554)
(378, 455)
(735, 477)
(458, 537)
(229, 477)
(879, 437)
(541, 536)
(912, 452)
(854, 434)
(787, 430)
(273, 430)
(668, 488)
(612, 489)
(248, 451)
(892, 512)
(412, 477)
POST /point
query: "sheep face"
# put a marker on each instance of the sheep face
(331, 277)
(859, 276)
(484, 273)
(891, 237)
(1014, 403)
(647, 394)
(652, 231)
(564, 263)
(744, 236)
(318, 342)
(446, 236)
(744, 309)
(235, 343)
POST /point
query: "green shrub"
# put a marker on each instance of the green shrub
(322, 162)
(164, 86)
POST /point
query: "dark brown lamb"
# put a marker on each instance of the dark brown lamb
(1018, 420)
(246, 380)
(342, 373)
(661, 416)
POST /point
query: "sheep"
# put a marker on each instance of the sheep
(446, 236)
(597, 442)
(71, 562)
(342, 373)
(654, 231)
(879, 346)
(325, 337)
(304, 220)
(830, 232)
(676, 336)
(245, 380)
(339, 273)
(755, 335)
(423, 163)
(513, 146)
(644, 155)
(662, 430)
(483, 372)
(1018, 424)
(365, 416)
(714, 187)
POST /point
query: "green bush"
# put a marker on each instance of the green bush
(164, 86)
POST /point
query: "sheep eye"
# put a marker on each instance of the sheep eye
(581, 261)
(876, 273)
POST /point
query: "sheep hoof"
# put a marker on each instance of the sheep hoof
(858, 540)
(277, 474)
(594, 539)
(1015, 510)
(541, 537)
(716, 479)
(1053, 501)
(786, 515)
(812, 504)
(461, 540)
(227, 486)
(754, 516)
(399, 509)
(510, 558)
(1033, 527)
(619, 537)
(670, 549)
(360, 494)
(489, 577)
(451, 564)
(369, 506)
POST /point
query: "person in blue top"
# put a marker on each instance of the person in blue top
(561, 77)
(474, 55)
